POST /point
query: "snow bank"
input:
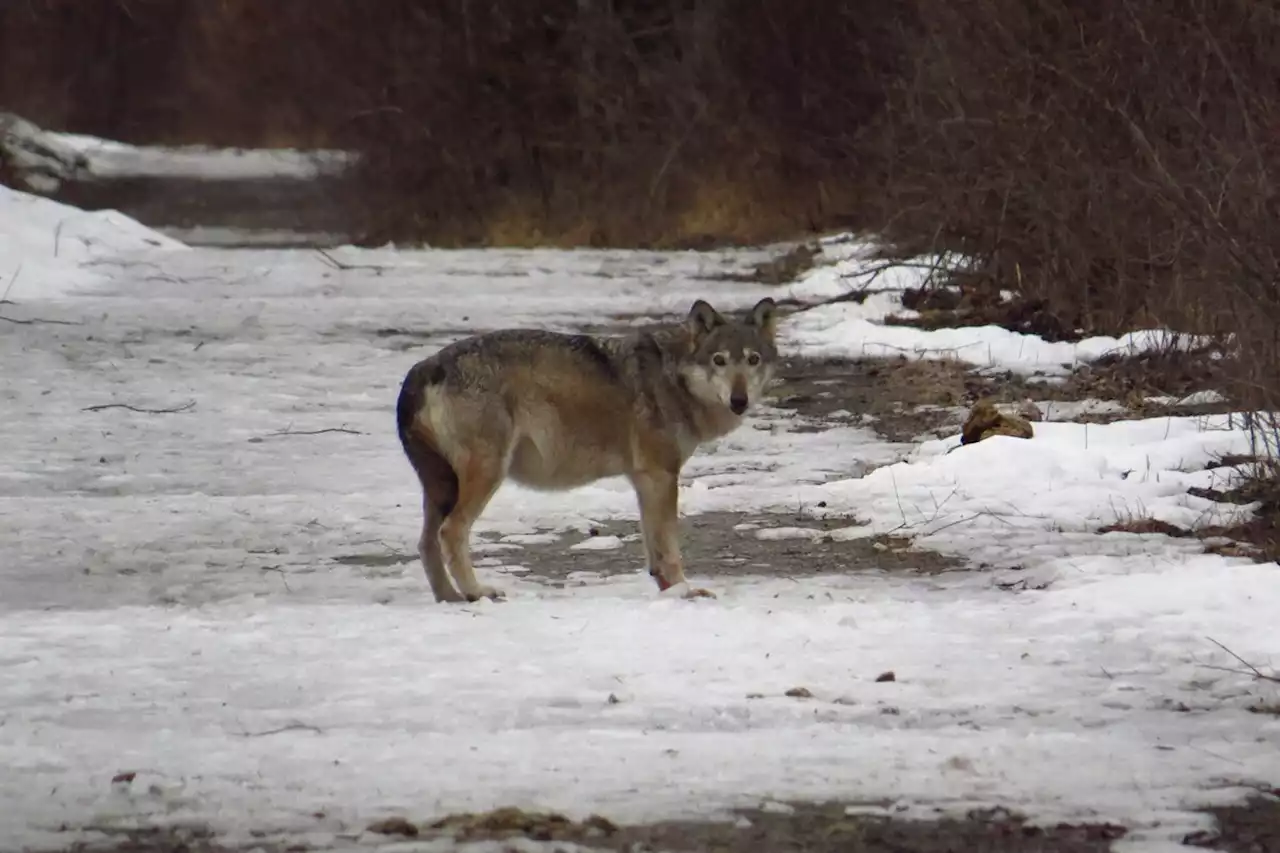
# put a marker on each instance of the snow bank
(105, 158)
(848, 330)
(46, 247)
(858, 330)
(44, 158)
(40, 160)
(1011, 501)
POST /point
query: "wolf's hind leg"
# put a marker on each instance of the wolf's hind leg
(477, 481)
(432, 556)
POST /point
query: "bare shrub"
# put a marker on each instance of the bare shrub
(1110, 159)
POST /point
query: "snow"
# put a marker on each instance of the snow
(174, 603)
(108, 158)
(41, 160)
(47, 248)
(850, 329)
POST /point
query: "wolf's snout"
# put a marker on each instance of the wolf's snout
(738, 403)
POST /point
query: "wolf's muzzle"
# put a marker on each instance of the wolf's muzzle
(738, 403)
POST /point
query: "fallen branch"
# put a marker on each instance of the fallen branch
(342, 265)
(4, 300)
(1250, 668)
(344, 430)
(37, 321)
(292, 727)
(185, 407)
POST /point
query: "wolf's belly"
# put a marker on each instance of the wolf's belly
(558, 461)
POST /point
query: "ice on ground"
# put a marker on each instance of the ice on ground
(222, 597)
(47, 249)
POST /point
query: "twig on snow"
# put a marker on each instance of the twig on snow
(345, 430)
(185, 407)
(342, 265)
(34, 321)
(291, 727)
(4, 300)
(1250, 668)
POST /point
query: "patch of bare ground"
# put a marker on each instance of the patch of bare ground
(1250, 828)
(902, 399)
(814, 827)
(1259, 537)
(712, 547)
(906, 399)
(782, 269)
(1155, 383)
(969, 305)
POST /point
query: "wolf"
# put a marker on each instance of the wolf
(556, 411)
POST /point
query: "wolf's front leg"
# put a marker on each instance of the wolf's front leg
(658, 494)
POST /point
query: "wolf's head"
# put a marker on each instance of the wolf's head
(731, 362)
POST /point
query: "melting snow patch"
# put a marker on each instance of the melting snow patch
(598, 543)
(810, 533)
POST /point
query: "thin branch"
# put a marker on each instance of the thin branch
(4, 300)
(344, 430)
(292, 727)
(35, 321)
(185, 407)
(1252, 670)
(342, 265)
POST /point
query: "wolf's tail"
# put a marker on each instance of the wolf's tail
(439, 480)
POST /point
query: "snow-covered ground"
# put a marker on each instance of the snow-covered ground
(172, 605)
(47, 158)
(855, 330)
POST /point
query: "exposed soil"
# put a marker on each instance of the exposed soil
(982, 305)
(1253, 827)
(903, 398)
(909, 399)
(813, 827)
(1257, 538)
(712, 548)
(1250, 828)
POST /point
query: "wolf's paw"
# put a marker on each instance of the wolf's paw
(485, 591)
(683, 590)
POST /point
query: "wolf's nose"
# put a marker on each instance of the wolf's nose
(738, 403)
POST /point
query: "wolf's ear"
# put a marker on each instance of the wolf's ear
(765, 316)
(703, 318)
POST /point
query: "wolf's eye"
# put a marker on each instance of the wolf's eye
(753, 359)
(719, 359)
